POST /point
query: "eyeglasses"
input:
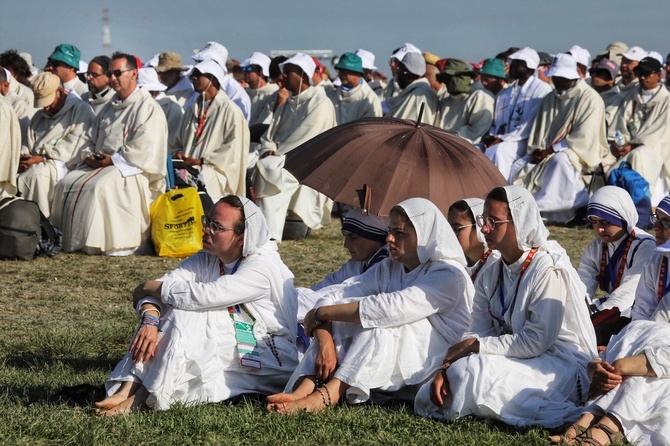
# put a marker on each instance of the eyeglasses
(456, 229)
(599, 222)
(249, 69)
(214, 227)
(489, 222)
(55, 63)
(94, 75)
(116, 73)
(665, 224)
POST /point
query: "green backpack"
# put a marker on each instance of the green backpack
(19, 228)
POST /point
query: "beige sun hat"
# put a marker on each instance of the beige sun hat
(44, 86)
(169, 61)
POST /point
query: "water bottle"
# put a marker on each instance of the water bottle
(619, 139)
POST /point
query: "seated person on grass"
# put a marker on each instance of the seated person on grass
(382, 329)
(227, 320)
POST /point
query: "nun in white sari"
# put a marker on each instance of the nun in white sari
(384, 329)
(523, 359)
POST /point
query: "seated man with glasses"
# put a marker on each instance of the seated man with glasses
(613, 262)
(64, 63)
(222, 324)
(523, 359)
(99, 91)
(102, 206)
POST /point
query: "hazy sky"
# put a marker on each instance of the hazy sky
(470, 30)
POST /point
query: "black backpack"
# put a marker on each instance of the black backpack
(25, 231)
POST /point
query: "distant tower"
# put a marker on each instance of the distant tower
(106, 35)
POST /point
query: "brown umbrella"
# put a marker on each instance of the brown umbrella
(386, 160)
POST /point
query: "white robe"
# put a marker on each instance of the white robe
(407, 103)
(23, 113)
(535, 374)
(107, 210)
(181, 92)
(407, 321)
(262, 103)
(639, 254)
(359, 102)
(299, 119)
(10, 148)
(223, 145)
(469, 115)
(515, 109)
(58, 138)
(98, 102)
(173, 114)
(196, 354)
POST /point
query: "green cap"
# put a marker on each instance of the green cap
(68, 54)
(457, 67)
(350, 62)
(493, 67)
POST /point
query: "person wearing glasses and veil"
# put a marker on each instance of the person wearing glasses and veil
(523, 359)
(614, 261)
(222, 324)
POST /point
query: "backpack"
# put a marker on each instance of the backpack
(25, 231)
(637, 187)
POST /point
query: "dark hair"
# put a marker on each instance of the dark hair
(499, 194)
(131, 62)
(13, 61)
(463, 206)
(103, 61)
(3, 74)
(400, 212)
(508, 52)
(234, 202)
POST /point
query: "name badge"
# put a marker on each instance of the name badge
(247, 346)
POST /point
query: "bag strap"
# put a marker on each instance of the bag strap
(7, 201)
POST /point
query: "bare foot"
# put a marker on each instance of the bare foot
(310, 403)
(130, 405)
(127, 389)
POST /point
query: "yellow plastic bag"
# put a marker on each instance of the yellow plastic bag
(176, 226)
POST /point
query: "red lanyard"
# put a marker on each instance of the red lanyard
(662, 286)
(201, 126)
(501, 286)
(622, 266)
(482, 261)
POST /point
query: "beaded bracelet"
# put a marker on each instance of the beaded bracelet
(150, 320)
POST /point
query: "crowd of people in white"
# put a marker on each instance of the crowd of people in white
(474, 313)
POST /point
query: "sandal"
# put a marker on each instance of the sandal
(567, 439)
(613, 437)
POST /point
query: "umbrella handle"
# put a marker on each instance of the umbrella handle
(365, 198)
(418, 121)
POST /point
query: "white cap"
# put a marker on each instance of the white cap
(153, 62)
(83, 67)
(367, 57)
(303, 61)
(147, 78)
(563, 65)
(213, 51)
(581, 55)
(655, 55)
(210, 66)
(406, 48)
(259, 59)
(415, 63)
(528, 55)
(634, 53)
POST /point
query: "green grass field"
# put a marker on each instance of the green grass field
(67, 320)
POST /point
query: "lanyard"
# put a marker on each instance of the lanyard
(482, 261)
(662, 286)
(236, 308)
(606, 276)
(201, 126)
(501, 286)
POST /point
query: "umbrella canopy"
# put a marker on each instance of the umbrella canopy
(389, 160)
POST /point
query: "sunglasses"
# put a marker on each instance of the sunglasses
(249, 69)
(94, 75)
(56, 63)
(116, 73)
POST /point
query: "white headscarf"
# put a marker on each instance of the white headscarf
(528, 226)
(612, 203)
(256, 232)
(435, 238)
(476, 206)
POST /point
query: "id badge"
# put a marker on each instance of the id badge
(247, 346)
